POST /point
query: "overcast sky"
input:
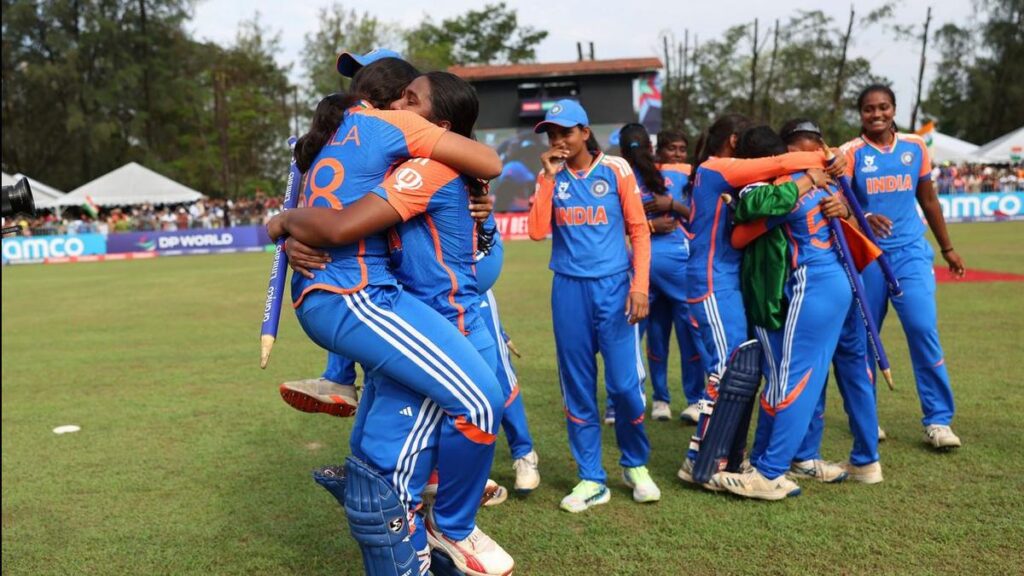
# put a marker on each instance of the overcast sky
(616, 31)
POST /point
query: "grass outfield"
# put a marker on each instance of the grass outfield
(189, 463)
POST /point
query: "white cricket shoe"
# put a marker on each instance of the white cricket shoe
(820, 470)
(609, 416)
(644, 488)
(881, 434)
(754, 485)
(585, 495)
(527, 475)
(321, 395)
(941, 436)
(866, 474)
(690, 415)
(685, 474)
(476, 555)
(661, 410)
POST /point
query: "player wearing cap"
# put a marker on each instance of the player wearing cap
(587, 201)
(713, 269)
(890, 173)
(797, 354)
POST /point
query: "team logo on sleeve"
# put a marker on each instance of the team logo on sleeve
(600, 188)
(408, 179)
(563, 191)
(869, 164)
(907, 158)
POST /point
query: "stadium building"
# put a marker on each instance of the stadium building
(514, 97)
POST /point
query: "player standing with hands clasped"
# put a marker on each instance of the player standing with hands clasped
(587, 201)
(890, 174)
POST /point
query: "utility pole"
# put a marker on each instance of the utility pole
(920, 72)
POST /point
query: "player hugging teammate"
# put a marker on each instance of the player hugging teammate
(754, 254)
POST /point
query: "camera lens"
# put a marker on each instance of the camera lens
(17, 199)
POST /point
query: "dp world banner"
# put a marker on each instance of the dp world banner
(41, 248)
(193, 241)
(989, 207)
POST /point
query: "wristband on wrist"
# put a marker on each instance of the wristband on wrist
(947, 250)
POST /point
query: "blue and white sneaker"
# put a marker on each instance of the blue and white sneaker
(585, 495)
(609, 416)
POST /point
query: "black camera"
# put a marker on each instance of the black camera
(16, 199)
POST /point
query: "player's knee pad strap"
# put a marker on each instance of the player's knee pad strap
(378, 521)
(726, 431)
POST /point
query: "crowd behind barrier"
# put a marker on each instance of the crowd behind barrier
(205, 214)
(977, 178)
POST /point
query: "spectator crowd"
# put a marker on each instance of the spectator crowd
(977, 178)
(207, 213)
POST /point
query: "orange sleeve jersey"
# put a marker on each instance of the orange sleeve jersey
(434, 256)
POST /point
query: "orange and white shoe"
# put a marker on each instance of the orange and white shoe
(476, 555)
(321, 395)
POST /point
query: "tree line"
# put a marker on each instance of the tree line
(89, 85)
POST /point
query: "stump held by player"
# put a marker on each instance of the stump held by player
(279, 268)
(846, 259)
(730, 419)
(378, 521)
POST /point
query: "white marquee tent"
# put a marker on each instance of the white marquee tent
(1002, 150)
(8, 180)
(945, 148)
(131, 184)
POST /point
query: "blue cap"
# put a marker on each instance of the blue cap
(349, 63)
(565, 113)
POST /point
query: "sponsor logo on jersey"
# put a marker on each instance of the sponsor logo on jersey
(907, 158)
(600, 188)
(407, 178)
(869, 164)
(407, 411)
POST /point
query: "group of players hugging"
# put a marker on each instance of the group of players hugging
(772, 256)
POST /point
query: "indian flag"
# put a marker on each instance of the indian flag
(90, 207)
(927, 132)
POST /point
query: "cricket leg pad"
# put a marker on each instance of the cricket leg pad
(737, 390)
(379, 522)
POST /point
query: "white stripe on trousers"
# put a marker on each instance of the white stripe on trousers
(461, 378)
(795, 304)
(506, 362)
(717, 332)
(437, 367)
(429, 416)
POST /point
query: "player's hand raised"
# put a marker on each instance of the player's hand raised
(838, 166)
(636, 307)
(303, 258)
(552, 160)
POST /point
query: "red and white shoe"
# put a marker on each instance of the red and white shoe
(493, 495)
(321, 395)
(476, 555)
